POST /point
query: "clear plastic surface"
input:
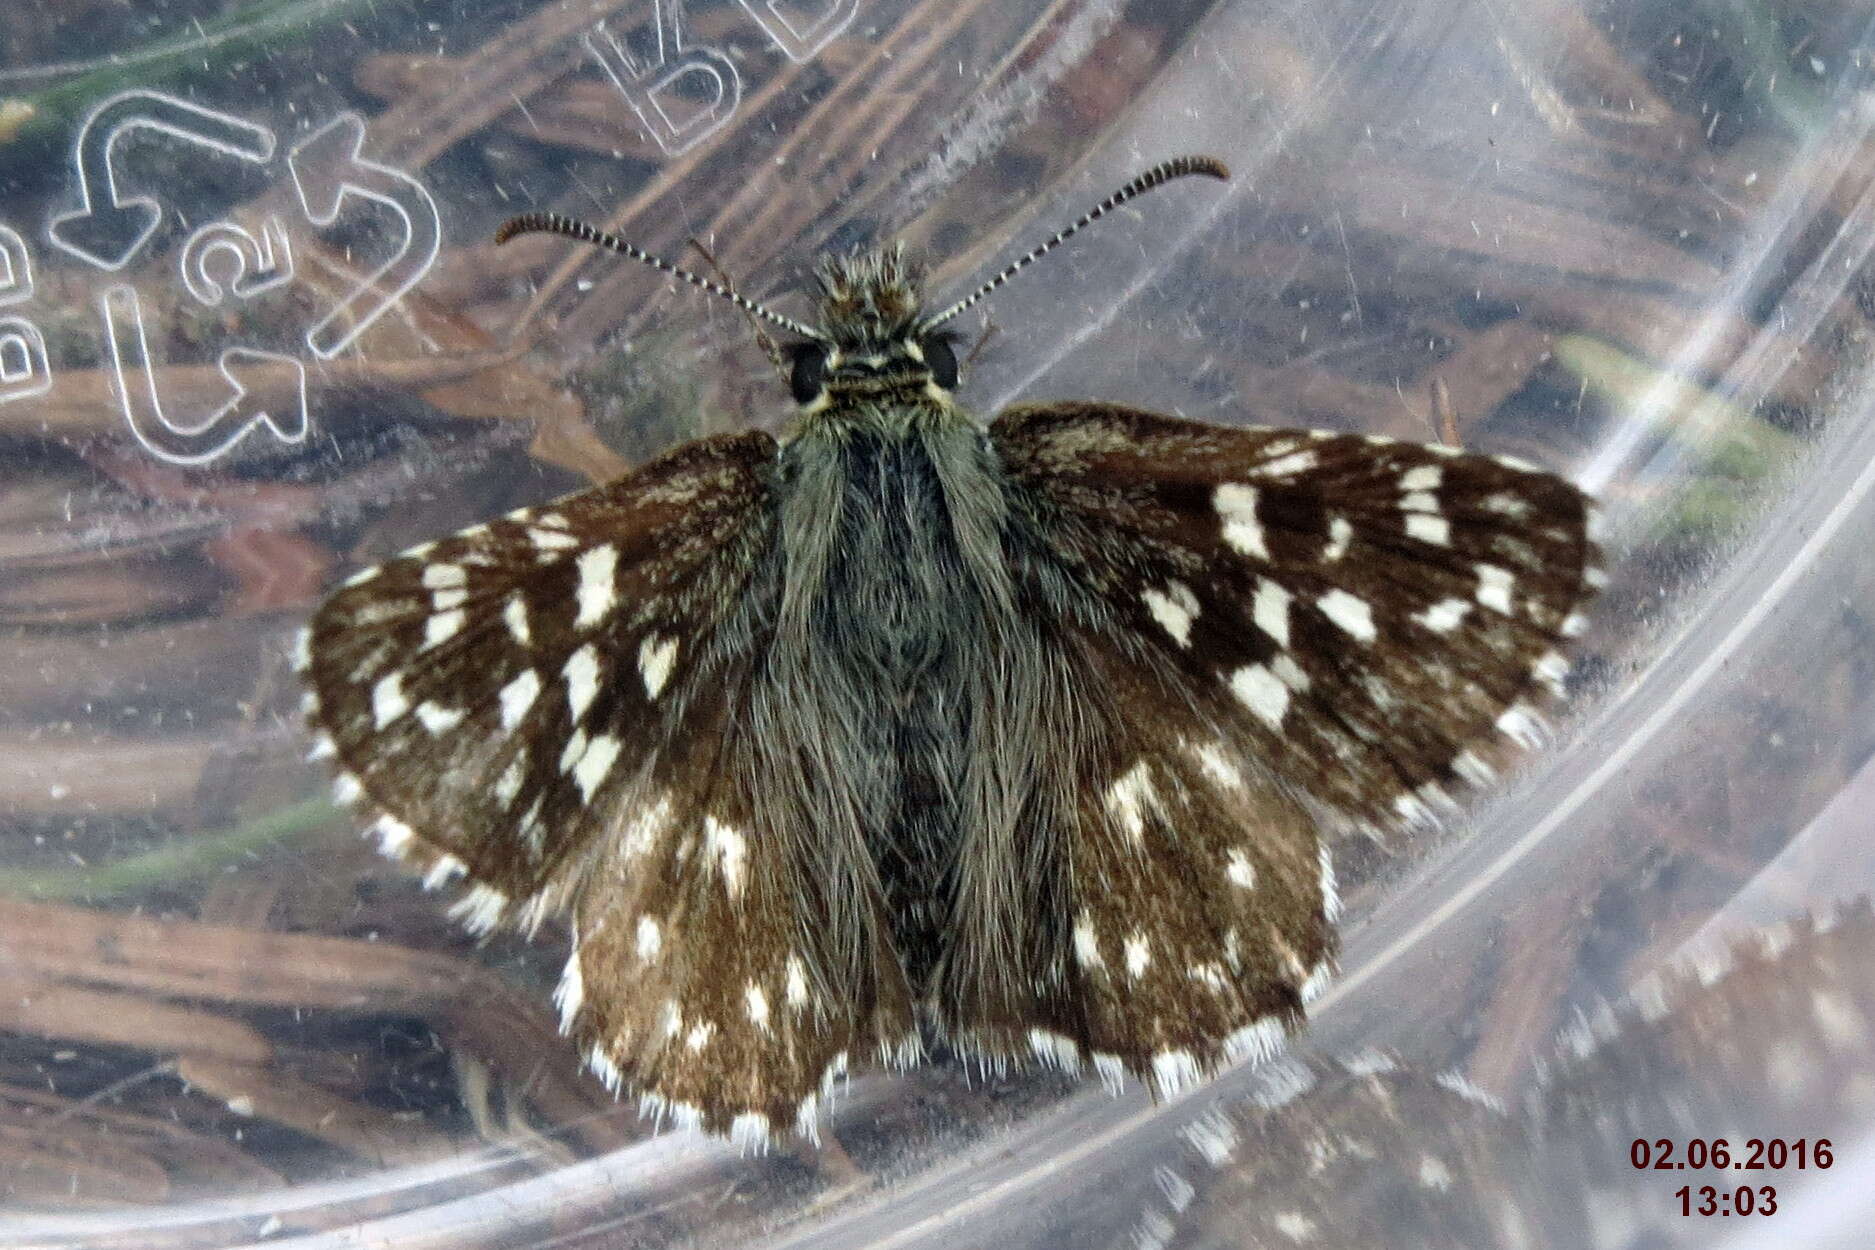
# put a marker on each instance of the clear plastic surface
(254, 335)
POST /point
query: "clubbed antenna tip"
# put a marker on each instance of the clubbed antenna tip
(1157, 176)
(572, 228)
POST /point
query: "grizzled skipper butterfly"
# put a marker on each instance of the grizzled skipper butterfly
(904, 726)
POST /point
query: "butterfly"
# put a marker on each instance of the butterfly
(903, 727)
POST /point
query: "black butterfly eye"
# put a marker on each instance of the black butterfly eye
(941, 360)
(809, 373)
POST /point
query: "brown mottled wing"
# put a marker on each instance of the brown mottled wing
(1381, 612)
(547, 707)
(1265, 626)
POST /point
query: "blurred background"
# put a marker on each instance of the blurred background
(254, 335)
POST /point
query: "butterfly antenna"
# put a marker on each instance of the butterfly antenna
(762, 339)
(571, 228)
(1157, 176)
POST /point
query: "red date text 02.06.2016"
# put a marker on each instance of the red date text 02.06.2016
(1711, 1200)
(1663, 1154)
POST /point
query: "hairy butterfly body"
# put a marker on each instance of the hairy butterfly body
(1016, 736)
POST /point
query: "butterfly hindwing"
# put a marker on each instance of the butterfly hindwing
(699, 979)
(1200, 903)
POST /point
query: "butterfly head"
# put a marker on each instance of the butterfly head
(872, 335)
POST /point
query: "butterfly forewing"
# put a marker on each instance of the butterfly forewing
(497, 694)
(1382, 615)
